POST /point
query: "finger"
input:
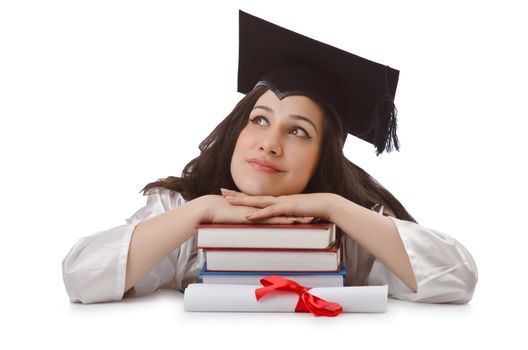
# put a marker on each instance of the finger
(231, 193)
(270, 211)
(253, 201)
(278, 211)
(299, 220)
(279, 220)
(282, 220)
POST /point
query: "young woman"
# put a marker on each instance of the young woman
(277, 158)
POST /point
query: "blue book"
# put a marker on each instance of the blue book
(305, 278)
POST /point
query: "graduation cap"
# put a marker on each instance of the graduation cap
(359, 93)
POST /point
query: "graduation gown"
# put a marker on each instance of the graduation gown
(95, 267)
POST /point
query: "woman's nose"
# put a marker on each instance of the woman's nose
(270, 143)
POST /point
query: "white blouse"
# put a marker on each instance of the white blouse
(95, 267)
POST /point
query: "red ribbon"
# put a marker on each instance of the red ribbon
(306, 303)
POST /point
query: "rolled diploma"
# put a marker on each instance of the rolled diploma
(241, 298)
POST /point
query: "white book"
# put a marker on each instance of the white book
(248, 259)
(320, 235)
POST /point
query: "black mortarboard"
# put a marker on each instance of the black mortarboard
(358, 91)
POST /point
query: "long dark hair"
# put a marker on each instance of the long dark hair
(334, 172)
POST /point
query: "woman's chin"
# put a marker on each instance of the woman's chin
(252, 192)
(258, 190)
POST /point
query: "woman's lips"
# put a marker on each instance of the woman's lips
(263, 165)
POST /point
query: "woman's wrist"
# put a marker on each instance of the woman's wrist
(334, 205)
(201, 209)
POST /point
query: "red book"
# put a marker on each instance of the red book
(317, 236)
(265, 259)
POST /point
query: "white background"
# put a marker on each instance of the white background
(98, 98)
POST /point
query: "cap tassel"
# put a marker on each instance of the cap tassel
(385, 124)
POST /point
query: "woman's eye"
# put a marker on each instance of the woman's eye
(297, 131)
(259, 121)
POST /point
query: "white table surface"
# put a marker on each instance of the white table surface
(159, 321)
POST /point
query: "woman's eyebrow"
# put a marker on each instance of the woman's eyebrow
(293, 116)
(300, 117)
(266, 108)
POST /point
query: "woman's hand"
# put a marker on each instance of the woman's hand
(304, 206)
(218, 209)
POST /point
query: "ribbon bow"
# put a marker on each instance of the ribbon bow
(306, 303)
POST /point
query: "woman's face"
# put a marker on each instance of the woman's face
(278, 150)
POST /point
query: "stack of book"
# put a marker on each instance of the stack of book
(308, 254)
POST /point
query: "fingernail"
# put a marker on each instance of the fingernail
(225, 192)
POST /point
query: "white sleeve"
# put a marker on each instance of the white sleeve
(95, 267)
(444, 269)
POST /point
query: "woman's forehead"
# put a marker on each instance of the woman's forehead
(293, 104)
